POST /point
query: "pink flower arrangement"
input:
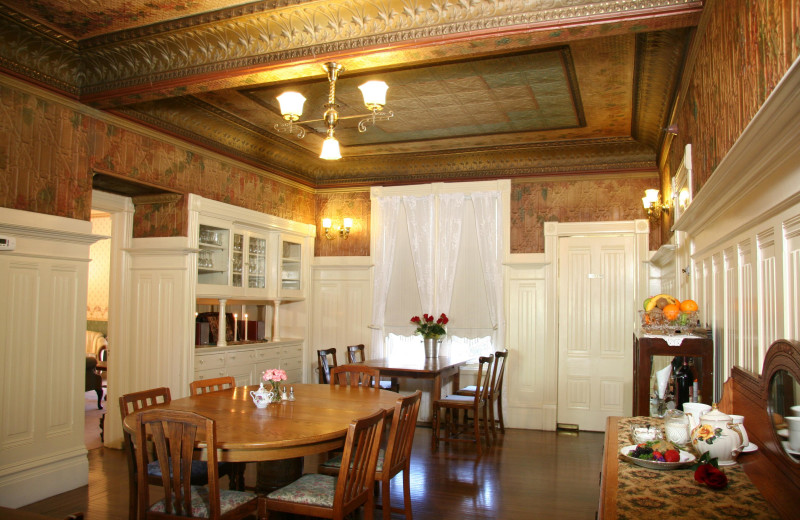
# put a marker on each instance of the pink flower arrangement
(274, 375)
(429, 328)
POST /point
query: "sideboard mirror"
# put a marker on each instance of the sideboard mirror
(782, 406)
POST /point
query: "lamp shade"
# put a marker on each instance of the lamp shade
(291, 105)
(374, 93)
(330, 149)
(348, 223)
(326, 223)
(651, 195)
(645, 202)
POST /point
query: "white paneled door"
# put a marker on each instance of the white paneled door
(595, 331)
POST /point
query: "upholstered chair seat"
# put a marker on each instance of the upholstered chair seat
(312, 489)
(228, 501)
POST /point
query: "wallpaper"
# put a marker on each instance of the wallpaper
(534, 202)
(49, 151)
(99, 268)
(337, 206)
(746, 48)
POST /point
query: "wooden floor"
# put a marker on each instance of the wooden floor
(524, 474)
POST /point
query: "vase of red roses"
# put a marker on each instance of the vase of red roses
(432, 331)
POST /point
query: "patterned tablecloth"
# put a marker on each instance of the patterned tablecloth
(644, 493)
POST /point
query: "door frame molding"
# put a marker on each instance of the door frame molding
(640, 229)
(121, 210)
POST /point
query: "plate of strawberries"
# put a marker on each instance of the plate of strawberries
(658, 454)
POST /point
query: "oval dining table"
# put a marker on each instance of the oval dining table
(315, 422)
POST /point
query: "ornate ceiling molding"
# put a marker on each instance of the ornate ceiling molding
(247, 41)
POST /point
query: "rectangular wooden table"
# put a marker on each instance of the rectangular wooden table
(629, 491)
(438, 369)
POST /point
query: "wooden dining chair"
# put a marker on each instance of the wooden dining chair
(355, 354)
(395, 458)
(327, 496)
(174, 434)
(234, 470)
(356, 375)
(203, 386)
(453, 404)
(325, 366)
(495, 394)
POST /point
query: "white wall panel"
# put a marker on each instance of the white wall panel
(731, 308)
(43, 318)
(748, 306)
(767, 290)
(791, 232)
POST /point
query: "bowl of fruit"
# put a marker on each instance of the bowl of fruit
(659, 454)
(665, 314)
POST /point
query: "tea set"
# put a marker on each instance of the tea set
(706, 428)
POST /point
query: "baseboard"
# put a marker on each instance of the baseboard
(20, 486)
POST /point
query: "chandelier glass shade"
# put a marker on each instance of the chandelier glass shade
(291, 106)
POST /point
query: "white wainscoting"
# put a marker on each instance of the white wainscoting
(341, 299)
(43, 322)
(530, 397)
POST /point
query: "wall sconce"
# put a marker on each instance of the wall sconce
(653, 205)
(344, 229)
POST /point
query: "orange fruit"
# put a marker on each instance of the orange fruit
(671, 311)
(688, 306)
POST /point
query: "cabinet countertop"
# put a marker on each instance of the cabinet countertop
(209, 349)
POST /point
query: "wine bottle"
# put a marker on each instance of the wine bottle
(683, 382)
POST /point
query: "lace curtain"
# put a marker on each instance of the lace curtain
(388, 208)
(490, 245)
(421, 233)
(450, 219)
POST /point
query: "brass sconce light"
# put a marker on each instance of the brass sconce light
(653, 205)
(344, 229)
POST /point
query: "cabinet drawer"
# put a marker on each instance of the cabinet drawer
(294, 376)
(292, 351)
(209, 374)
(240, 357)
(268, 354)
(209, 361)
(292, 364)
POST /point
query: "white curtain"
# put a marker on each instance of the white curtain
(487, 220)
(421, 233)
(388, 209)
(451, 216)
(450, 219)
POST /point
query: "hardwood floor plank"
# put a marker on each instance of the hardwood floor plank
(524, 473)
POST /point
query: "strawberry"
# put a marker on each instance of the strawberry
(672, 456)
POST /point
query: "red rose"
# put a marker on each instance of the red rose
(710, 476)
(415, 319)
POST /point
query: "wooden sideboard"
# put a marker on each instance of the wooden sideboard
(645, 347)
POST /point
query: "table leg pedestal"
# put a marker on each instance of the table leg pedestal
(275, 474)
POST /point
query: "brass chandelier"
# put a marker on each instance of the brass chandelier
(291, 103)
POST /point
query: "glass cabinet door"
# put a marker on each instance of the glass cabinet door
(212, 259)
(291, 262)
(256, 262)
(237, 260)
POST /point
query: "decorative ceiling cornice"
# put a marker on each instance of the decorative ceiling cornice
(659, 58)
(32, 50)
(262, 38)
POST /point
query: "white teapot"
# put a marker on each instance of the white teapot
(719, 436)
(261, 397)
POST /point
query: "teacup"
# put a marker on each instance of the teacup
(795, 410)
(794, 432)
(694, 411)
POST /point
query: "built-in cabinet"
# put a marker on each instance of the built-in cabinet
(247, 363)
(245, 259)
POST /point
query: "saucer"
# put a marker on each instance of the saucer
(750, 448)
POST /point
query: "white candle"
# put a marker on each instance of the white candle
(245, 327)
(235, 327)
